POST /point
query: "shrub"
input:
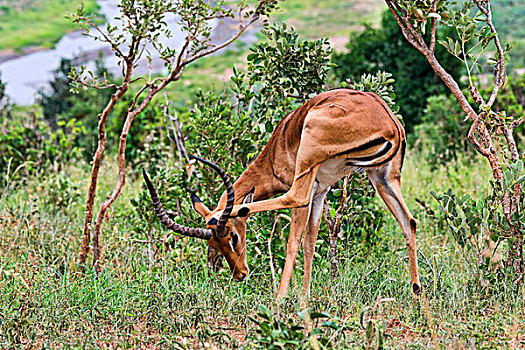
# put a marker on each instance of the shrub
(60, 105)
(441, 136)
(28, 143)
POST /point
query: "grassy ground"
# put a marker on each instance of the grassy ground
(330, 18)
(38, 23)
(174, 303)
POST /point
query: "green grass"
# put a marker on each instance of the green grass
(38, 23)
(175, 303)
(315, 19)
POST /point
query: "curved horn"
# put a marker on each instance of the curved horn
(167, 221)
(221, 232)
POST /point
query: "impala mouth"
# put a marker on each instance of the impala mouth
(242, 278)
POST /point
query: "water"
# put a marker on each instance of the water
(25, 75)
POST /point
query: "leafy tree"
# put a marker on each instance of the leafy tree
(142, 23)
(60, 105)
(386, 49)
(499, 215)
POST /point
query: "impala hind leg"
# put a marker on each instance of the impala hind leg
(387, 182)
(310, 238)
(297, 226)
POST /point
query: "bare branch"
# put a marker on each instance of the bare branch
(408, 30)
(241, 30)
(500, 76)
(433, 23)
(509, 136)
(472, 135)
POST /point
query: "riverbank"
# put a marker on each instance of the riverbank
(32, 25)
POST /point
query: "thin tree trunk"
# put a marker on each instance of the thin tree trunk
(121, 180)
(334, 228)
(97, 158)
(334, 258)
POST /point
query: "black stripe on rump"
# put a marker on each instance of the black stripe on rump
(364, 146)
(384, 151)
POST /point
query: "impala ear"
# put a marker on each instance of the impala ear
(199, 206)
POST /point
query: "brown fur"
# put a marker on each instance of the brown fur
(336, 125)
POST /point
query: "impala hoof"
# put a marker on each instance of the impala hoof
(416, 288)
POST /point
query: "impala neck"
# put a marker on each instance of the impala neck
(257, 177)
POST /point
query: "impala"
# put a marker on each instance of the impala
(331, 135)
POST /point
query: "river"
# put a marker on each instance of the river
(25, 75)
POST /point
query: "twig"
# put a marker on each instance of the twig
(433, 22)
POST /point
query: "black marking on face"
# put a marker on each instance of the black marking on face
(243, 212)
(213, 221)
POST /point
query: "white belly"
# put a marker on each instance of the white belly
(331, 171)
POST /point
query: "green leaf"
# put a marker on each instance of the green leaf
(315, 315)
(268, 126)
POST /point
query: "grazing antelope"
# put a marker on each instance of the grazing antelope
(333, 134)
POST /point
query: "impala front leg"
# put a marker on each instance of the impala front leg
(297, 227)
(298, 196)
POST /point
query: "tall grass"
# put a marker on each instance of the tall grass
(177, 303)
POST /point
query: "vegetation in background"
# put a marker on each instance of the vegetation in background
(442, 132)
(4, 99)
(509, 17)
(314, 19)
(37, 22)
(60, 106)
(155, 289)
(386, 49)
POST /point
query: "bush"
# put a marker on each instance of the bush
(273, 333)
(442, 134)
(28, 144)
(4, 99)
(480, 228)
(60, 105)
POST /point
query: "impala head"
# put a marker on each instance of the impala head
(224, 233)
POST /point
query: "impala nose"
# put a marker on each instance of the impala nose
(241, 277)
